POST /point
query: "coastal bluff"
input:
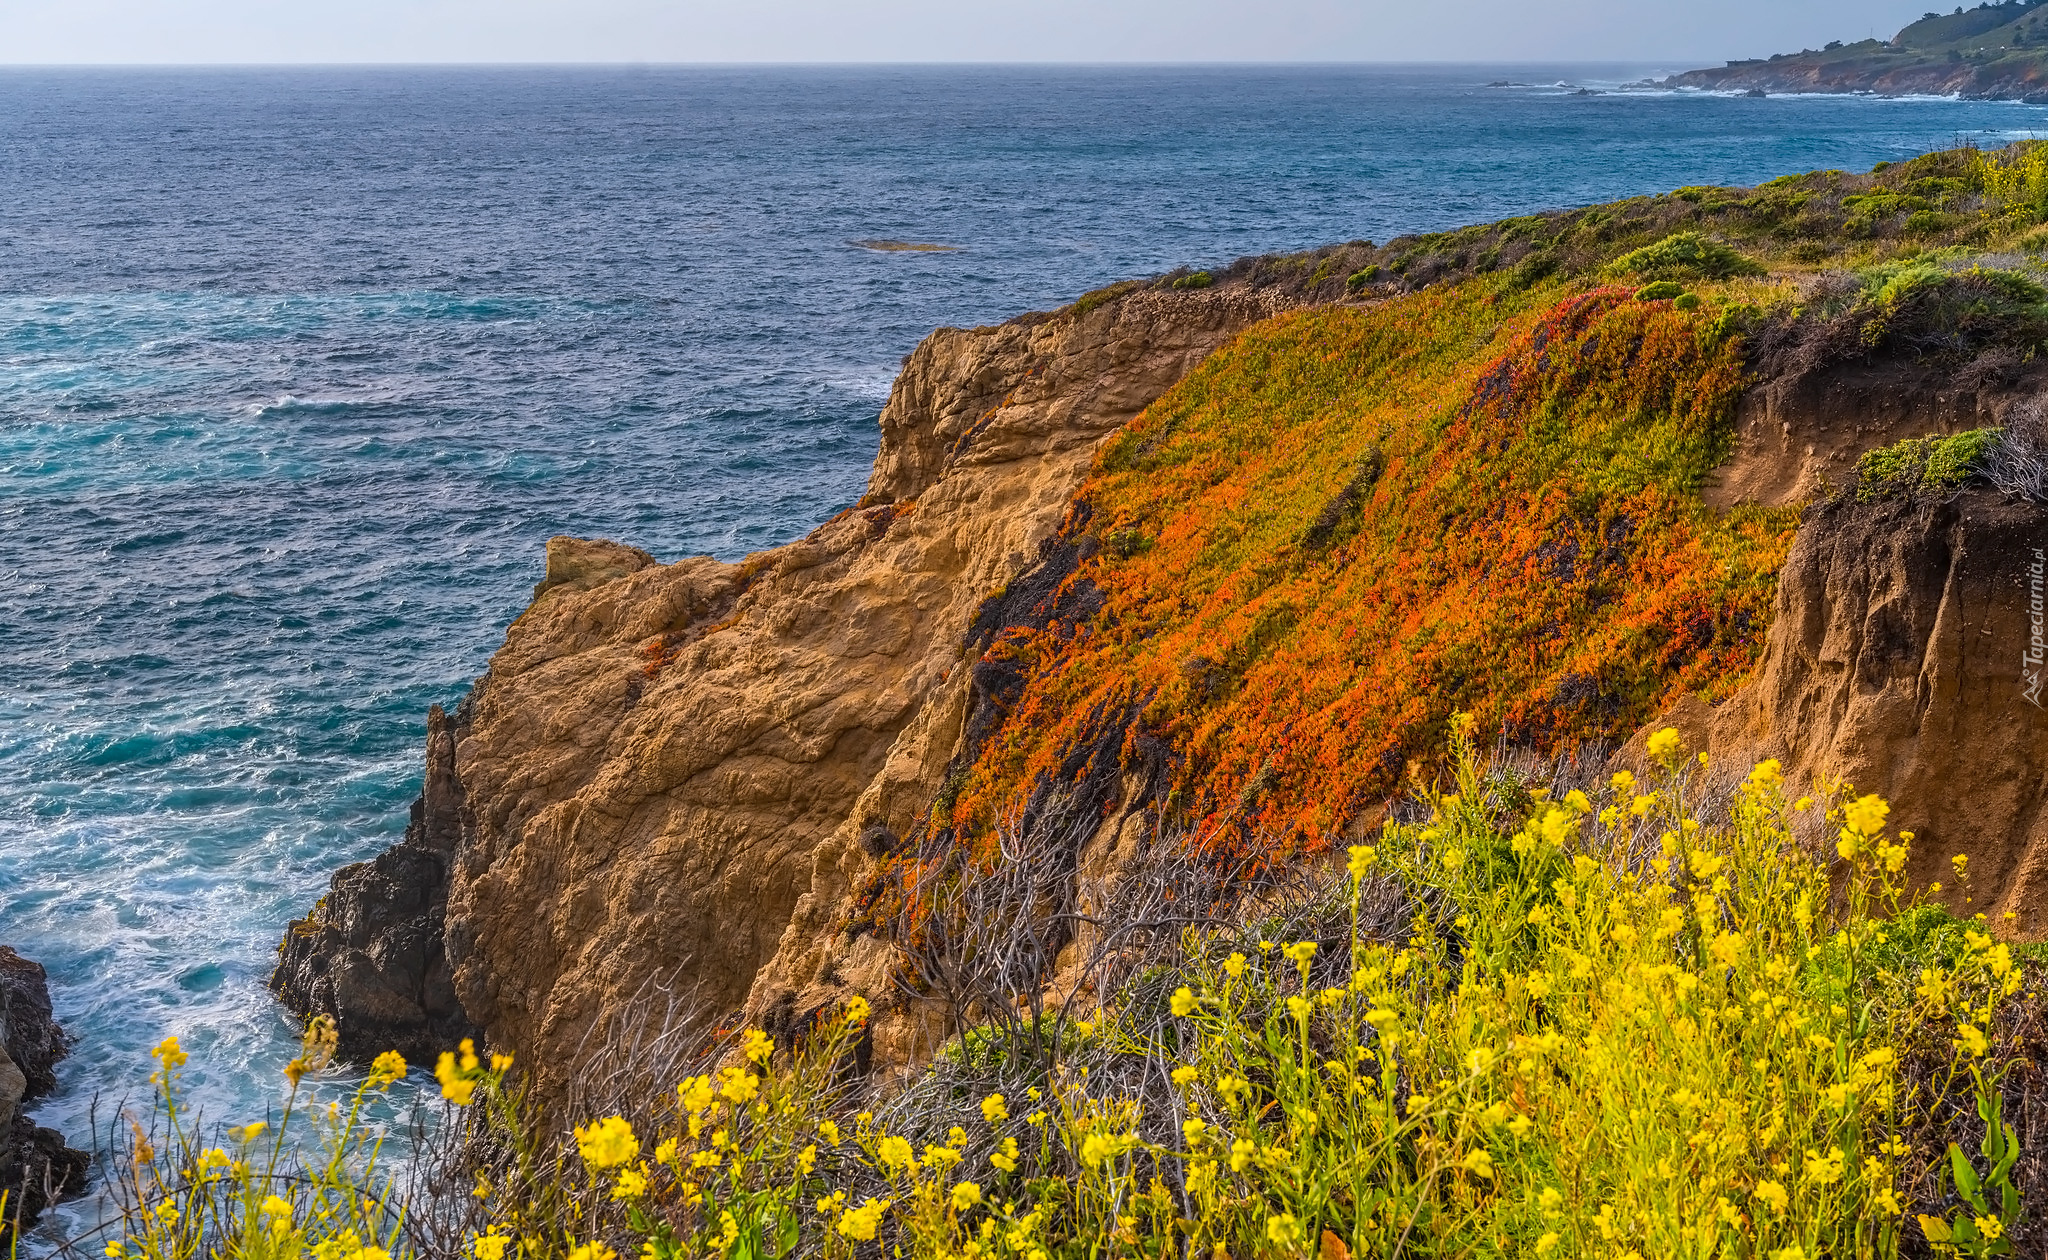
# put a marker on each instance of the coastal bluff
(695, 789)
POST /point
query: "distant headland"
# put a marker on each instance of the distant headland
(1991, 52)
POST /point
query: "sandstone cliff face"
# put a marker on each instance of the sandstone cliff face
(1902, 653)
(672, 773)
(36, 1167)
(1904, 658)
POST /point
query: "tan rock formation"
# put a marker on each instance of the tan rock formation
(1898, 652)
(1899, 661)
(671, 773)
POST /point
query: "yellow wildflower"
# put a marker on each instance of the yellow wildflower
(608, 1143)
(965, 1195)
(1184, 1075)
(757, 1045)
(630, 1184)
(740, 1085)
(828, 1131)
(1971, 1039)
(1183, 1001)
(1300, 952)
(1005, 1156)
(592, 1250)
(1233, 966)
(1726, 949)
(857, 1009)
(896, 1154)
(1284, 1230)
(1767, 776)
(1772, 1194)
(1664, 743)
(1865, 816)
(386, 1068)
(1362, 858)
(1824, 1169)
(1479, 1163)
(455, 1087)
(860, 1223)
(696, 1094)
(489, 1246)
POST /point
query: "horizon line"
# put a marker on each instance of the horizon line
(623, 64)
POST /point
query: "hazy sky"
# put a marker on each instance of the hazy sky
(1678, 32)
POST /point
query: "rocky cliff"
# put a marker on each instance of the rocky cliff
(1221, 555)
(36, 1167)
(672, 771)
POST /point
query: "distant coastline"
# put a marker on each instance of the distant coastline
(1991, 52)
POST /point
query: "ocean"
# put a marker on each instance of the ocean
(300, 368)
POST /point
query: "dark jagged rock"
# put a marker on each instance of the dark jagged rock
(36, 1167)
(28, 1030)
(371, 954)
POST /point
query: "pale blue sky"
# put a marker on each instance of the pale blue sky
(1674, 33)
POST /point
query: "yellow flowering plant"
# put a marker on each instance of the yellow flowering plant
(1619, 1019)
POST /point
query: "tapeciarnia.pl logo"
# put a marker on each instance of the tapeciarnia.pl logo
(2037, 613)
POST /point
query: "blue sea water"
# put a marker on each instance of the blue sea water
(299, 369)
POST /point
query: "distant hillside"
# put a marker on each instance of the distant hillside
(1991, 52)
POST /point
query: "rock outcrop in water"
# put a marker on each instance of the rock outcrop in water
(372, 953)
(36, 1167)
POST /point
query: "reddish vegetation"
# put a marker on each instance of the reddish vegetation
(1353, 522)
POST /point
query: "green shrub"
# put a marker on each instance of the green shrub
(1929, 465)
(1660, 291)
(1684, 256)
(1196, 280)
(1533, 269)
(1926, 223)
(1363, 276)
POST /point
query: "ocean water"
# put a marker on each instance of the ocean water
(299, 369)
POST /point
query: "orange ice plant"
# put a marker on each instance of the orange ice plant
(1353, 522)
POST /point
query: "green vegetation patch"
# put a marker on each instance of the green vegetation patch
(1927, 465)
(1685, 256)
